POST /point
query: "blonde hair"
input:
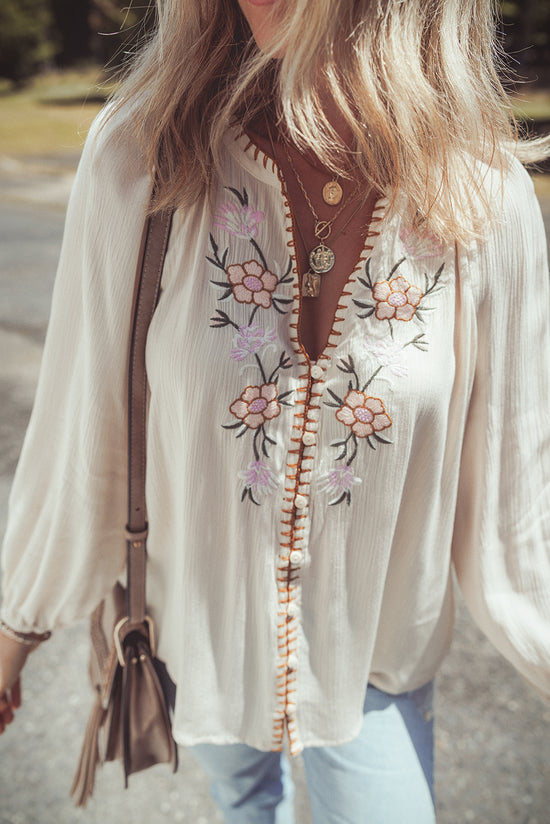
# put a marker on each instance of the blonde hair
(414, 80)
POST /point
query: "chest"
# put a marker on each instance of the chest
(226, 354)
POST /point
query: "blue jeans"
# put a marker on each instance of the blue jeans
(384, 776)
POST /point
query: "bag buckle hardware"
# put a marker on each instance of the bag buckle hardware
(118, 643)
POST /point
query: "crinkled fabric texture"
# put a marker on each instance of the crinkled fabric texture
(304, 518)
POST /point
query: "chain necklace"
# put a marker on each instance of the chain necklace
(321, 257)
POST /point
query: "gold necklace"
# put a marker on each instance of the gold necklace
(321, 257)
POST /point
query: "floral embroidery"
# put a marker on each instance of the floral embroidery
(239, 219)
(363, 414)
(256, 405)
(418, 244)
(396, 299)
(257, 481)
(251, 283)
(249, 340)
(338, 482)
(388, 352)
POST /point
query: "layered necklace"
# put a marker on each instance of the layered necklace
(321, 257)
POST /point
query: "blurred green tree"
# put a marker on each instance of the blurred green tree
(526, 31)
(71, 22)
(118, 27)
(25, 37)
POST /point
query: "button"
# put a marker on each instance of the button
(308, 438)
(292, 661)
(300, 501)
(292, 609)
(296, 557)
(316, 372)
(291, 709)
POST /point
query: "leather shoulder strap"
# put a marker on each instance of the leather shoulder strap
(153, 248)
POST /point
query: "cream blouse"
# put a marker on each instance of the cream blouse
(305, 517)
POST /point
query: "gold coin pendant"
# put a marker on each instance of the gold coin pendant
(332, 193)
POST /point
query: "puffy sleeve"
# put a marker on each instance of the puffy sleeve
(501, 545)
(64, 545)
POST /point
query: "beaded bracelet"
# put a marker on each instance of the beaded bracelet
(31, 639)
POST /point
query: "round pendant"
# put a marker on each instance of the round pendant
(321, 259)
(332, 193)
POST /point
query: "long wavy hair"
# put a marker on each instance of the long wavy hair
(415, 81)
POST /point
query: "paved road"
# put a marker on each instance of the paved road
(493, 734)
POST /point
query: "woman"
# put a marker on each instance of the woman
(345, 402)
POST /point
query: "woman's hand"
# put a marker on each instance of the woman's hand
(13, 655)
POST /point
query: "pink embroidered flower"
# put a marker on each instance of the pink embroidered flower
(258, 478)
(339, 480)
(363, 414)
(249, 340)
(251, 283)
(239, 221)
(256, 405)
(388, 352)
(396, 298)
(420, 244)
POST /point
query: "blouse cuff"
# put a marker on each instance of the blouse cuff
(30, 639)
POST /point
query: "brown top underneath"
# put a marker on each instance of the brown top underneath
(317, 314)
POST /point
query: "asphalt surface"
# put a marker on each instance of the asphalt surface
(492, 732)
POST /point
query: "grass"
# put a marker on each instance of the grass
(55, 111)
(50, 115)
(534, 104)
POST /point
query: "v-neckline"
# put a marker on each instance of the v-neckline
(266, 165)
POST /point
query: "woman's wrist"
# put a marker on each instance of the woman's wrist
(30, 639)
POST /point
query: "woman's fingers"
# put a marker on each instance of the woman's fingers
(16, 694)
(9, 701)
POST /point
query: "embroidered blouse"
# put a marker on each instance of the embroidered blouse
(305, 517)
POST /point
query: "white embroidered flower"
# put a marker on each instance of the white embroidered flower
(419, 244)
(388, 352)
(239, 221)
(339, 481)
(249, 340)
(258, 478)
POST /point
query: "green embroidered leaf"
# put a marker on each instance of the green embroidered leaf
(287, 277)
(242, 198)
(284, 395)
(277, 308)
(215, 262)
(396, 267)
(340, 500)
(335, 396)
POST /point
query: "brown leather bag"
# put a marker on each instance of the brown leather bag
(130, 719)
